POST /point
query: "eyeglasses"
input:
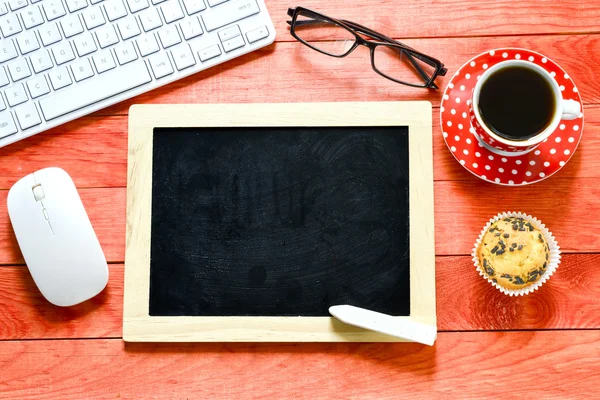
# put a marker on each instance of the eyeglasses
(389, 58)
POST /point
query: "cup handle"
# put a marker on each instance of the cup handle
(571, 109)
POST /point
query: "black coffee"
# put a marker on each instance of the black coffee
(516, 103)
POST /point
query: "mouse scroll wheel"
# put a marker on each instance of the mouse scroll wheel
(38, 193)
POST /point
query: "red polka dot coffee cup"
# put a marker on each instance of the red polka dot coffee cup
(561, 109)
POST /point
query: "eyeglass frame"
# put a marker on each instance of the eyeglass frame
(386, 41)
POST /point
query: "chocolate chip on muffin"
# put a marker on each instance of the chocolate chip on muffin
(513, 252)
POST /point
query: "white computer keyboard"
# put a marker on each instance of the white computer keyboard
(62, 59)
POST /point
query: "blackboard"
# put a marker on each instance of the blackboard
(245, 222)
(279, 221)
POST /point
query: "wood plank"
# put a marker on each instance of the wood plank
(569, 300)
(93, 150)
(292, 72)
(563, 205)
(462, 208)
(27, 315)
(426, 18)
(537, 364)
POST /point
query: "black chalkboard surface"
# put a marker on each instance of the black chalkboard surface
(279, 221)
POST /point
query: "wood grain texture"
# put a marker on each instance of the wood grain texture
(105, 139)
(93, 150)
(25, 314)
(563, 205)
(569, 300)
(465, 302)
(454, 18)
(292, 72)
(540, 365)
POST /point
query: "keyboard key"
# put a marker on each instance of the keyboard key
(229, 12)
(126, 53)
(103, 86)
(229, 33)
(9, 25)
(213, 3)
(169, 36)
(7, 124)
(85, 44)
(16, 95)
(233, 44)
(147, 45)
(82, 69)
(19, 69)
(160, 64)
(3, 77)
(63, 53)
(93, 17)
(49, 34)
(53, 9)
(27, 42)
(171, 11)
(17, 4)
(194, 6)
(41, 61)
(183, 56)
(104, 61)
(28, 116)
(38, 86)
(209, 53)
(115, 9)
(59, 77)
(71, 25)
(137, 5)
(107, 36)
(3, 9)
(257, 34)
(191, 28)
(150, 19)
(76, 5)
(128, 27)
(8, 51)
(32, 16)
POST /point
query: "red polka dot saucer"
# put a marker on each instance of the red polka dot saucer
(547, 159)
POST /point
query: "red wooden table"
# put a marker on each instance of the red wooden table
(544, 345)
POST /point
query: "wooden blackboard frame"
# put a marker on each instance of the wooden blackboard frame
(139, 326)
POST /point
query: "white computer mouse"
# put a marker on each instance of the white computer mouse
(56, 237)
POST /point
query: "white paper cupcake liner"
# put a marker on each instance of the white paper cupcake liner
(553, 261)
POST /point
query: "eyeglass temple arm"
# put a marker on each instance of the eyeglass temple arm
(364, 30)
(376, 35)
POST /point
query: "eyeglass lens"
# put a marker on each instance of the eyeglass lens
(324, 35)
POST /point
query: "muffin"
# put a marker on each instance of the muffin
(513, 253)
